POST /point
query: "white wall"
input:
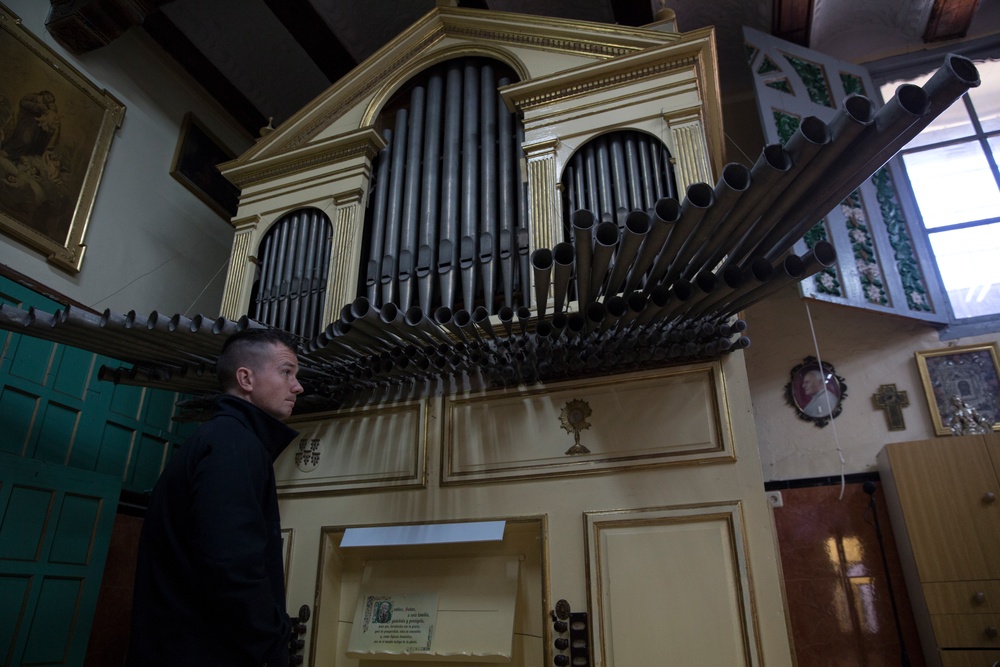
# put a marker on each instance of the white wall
(151, 244)
(867, 350)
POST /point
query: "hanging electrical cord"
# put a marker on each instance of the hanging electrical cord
(829, 407)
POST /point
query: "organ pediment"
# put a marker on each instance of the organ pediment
(534, 47)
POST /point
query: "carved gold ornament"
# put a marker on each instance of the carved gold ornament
(574, 419)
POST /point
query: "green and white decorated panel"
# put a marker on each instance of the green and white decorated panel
(881, 264)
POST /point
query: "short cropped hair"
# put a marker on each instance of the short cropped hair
(249, 348)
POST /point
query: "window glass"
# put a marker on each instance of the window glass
(995, 147)
(986, 97)
(953, 184)
(954, 123)
(952, 168)
(967, 259)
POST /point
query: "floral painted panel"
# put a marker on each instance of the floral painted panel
(827, 281)
(881, 264)
(786, 123)
(780, 84)
(910, 273)
(814, 78)
(865, 258)
(767, 66)
(852, 83)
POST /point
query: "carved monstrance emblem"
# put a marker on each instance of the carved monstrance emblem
(307, 458)
(574, 419)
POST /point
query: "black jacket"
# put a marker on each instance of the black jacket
(209, 583)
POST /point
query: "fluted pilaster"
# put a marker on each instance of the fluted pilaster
(690, 152)
(239, 279)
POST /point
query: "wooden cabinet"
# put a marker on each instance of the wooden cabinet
(943, 497)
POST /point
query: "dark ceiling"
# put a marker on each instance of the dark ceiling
(263, 59)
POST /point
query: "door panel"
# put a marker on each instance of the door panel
(55, 526)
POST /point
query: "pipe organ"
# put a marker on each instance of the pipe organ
(447, 220)
(528, 230)
(516, 254)
(294, 258)
(618, 172)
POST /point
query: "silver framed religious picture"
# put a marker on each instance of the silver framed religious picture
(815, 391)
(55, 134)
(965, 378)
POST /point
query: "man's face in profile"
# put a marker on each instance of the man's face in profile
(275, 385)
(812, 383)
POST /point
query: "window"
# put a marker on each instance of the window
(952, 169)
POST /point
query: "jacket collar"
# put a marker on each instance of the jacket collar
(273, 433)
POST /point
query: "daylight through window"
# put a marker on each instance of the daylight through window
(952, 167)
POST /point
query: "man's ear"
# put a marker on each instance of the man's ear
(244, 379)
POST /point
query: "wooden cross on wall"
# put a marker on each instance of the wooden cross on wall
(892, 401)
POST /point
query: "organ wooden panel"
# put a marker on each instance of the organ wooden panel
(699, 556)
(624, 430)
(327, 458)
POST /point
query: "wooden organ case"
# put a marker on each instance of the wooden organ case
(630, 491)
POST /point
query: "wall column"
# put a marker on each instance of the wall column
(690, 152)
(543, 197)
(348, 226)
(242, 266)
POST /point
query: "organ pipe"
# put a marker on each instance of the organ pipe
(427, 251)
(410, 214)
(646, 292)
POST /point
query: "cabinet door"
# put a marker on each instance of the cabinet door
(55, 527)
(944, 486)
(970, 658)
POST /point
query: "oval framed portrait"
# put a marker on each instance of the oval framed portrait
(815, 391)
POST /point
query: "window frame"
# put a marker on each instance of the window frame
(909, 66)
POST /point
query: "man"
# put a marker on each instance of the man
(821, 401)
(209, 586)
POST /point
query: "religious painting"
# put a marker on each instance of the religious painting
(815, 391)
(961, 380)
(56, 129)
(196, 167)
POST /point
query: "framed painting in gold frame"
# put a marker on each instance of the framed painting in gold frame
(56, 129)
(970, 374)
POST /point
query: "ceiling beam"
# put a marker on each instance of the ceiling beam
(82, 26)
(632, 13)
(791, 19)
(186, 54)
(950, 19)
(315, 37)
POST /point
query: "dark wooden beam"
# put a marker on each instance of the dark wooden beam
(791, 19)
(313, 34)
(632, 13)
(84, 25)
(950, 19)
(181, 49)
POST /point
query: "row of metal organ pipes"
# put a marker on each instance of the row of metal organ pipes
(651, 286)
(447, 237)
(448, 206)
(447, 218)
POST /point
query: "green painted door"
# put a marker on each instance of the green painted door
(55, 526)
